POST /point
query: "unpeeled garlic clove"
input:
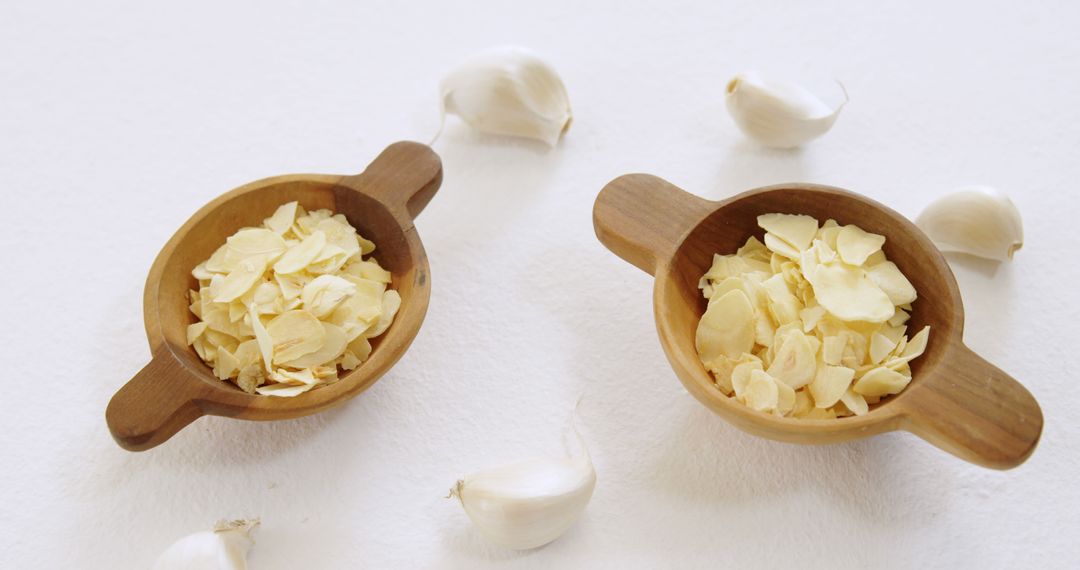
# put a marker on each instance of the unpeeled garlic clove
(223, 548)
(778, 114)
(977, 220)
(508, 91)
(528, 504)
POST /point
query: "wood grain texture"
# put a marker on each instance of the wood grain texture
(176, 387)
(957, 401)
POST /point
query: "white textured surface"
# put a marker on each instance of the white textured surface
(119, 121)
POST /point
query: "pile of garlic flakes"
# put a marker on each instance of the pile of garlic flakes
(810, 323)
(282, 306)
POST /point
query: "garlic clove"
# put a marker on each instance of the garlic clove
(778, 114)
(528, 504)
(224, 548)
(508, 91)
(977, 220)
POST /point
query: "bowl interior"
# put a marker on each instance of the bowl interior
(728, 227)
(397, 250)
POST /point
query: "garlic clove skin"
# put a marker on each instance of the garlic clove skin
(508, 91)
(778, 114)
(528, 504)
(977, 220)
(224, 548)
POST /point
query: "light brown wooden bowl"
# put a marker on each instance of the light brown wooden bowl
(176, 388)
(956, 400)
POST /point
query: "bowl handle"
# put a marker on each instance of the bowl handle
(404, 176)
(158, 402)
(643, 218)
(974, 410)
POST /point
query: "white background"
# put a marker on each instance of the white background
(118, 120)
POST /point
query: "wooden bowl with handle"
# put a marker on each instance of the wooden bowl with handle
(176, 388)
(956, 400)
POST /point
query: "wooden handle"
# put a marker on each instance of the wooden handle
(405, 175)
(975, 411)
(154, 405)
(642, 218)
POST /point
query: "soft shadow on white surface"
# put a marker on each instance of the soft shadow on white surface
(986, 267)
(747, 165)
(714, 462)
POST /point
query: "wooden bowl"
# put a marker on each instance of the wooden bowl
(956, 400)
(176, 387)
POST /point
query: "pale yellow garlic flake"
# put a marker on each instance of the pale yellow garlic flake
(797, 230)
(254, 242)
(302, 255)
(283, 218)
(726, 328)
(761, 392)
(324, 293)
(779, 246)
(391, 302)
(785, 398)
(740, 375)
(333, 345)
(294, 334)
(880, 382)
(241, 280)
(880, 347)
(283, 390)
(262, 338)
(795, 362)
(855, 245)
(829, 384)
(888, 277)
(855, 402)
(849, 294)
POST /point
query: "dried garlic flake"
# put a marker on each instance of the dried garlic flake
(808, 322)
(281, 307)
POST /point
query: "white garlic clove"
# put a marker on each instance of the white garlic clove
(778, 114)
(529, 504)
(223, 548)
(508, 91)
(978, 220)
